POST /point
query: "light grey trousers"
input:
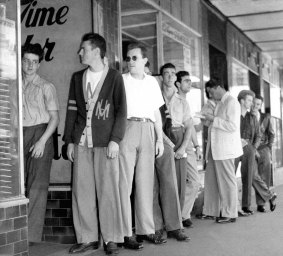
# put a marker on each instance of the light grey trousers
(137, 154)
(220, 188)
(192, 184)
(96, 196)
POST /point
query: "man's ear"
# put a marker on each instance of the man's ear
(178, 84)
(145, 60)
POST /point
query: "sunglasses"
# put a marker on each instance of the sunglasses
(128, 58)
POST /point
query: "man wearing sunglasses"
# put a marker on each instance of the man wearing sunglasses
(142, 143)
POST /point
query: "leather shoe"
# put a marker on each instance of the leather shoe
(178, 234)
(110, 248)
(131, 243)
(247, 210)
(204, 217)
(82, 247)
(243, 214)
(152, 238)
(224, 220)
(272, 202)
(260, 208)
(187, 223)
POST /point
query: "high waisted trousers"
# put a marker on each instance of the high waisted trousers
(166, 205)
(37, 175)
(137, 154)
(220, 188)
(96, 196)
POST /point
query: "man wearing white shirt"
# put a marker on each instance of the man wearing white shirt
(142, 143)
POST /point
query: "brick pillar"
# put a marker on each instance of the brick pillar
(13, 228)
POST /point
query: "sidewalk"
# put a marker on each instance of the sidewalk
(258, 235)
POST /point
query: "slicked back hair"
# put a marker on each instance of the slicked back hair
(167, 65)
(259, 97)
(213, 83)
(136, 45)
(96, 40)
(181, 74)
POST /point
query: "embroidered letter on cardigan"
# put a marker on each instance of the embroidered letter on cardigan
(102, 112)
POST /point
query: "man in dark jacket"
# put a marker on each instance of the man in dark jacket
(265, 147)
(250, 136)
(95, 125)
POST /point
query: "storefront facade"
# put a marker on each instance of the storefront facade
(188, 34)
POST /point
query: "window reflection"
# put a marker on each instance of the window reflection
(9, 164)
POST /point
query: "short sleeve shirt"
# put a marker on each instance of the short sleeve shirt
(39, 97)
(179, 110)
(144, 96)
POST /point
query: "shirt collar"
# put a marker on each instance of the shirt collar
(35, 81)
(131, 77)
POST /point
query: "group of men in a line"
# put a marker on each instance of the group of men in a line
(232, 139)
(116, 138)
(124, 130)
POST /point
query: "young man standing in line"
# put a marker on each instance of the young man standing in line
(167, 208)
(142, 143)
(40, 119)
(224, 145)
(184, 85)
(250, 137)
(95, 125)
(265, 147)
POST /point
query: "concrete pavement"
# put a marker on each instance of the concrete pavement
(258, 235)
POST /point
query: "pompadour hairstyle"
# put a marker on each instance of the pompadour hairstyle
(34, 49)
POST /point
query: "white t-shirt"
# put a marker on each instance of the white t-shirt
(143, 96)
(92, 80)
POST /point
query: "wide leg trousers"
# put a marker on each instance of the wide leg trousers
(37, 175)
(247, 173)
(264, 170)
(96, 196)
(137, 155)
(166, 205)
(220, 188)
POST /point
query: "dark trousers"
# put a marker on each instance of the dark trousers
(247, 173)
(264, 169)
(250, 177)
(166, 205)
(37, 174)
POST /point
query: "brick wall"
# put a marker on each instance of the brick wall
(58, 226)
(13, 230)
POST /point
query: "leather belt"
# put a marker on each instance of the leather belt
(139, 119)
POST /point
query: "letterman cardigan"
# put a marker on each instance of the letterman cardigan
(109, 117)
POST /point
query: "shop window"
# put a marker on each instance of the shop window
(10, 185)
(240, 79)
